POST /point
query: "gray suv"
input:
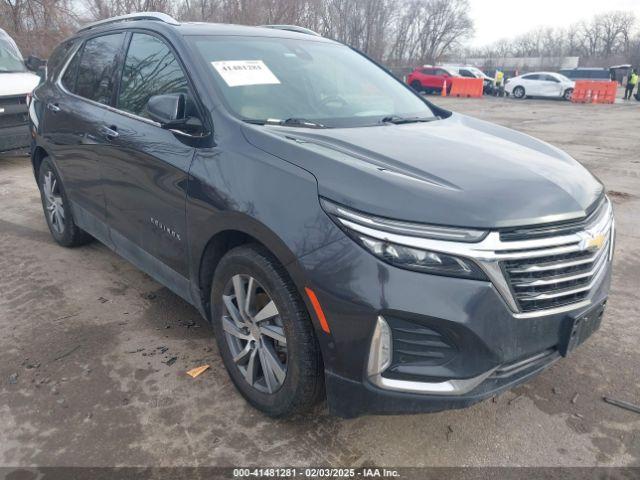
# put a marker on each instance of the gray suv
(345, 238)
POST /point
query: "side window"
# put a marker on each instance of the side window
(531, 77)
(149, 69)
(69, 76)
(427, 71)
(442, 72)
(550, 78)
(57, 58)
(467, 73)
(97, 68)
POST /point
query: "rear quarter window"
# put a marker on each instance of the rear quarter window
(68, 79)
(57, 58)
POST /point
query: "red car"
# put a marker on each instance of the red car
(429, 79)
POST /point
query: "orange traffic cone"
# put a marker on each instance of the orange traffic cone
(444, 89)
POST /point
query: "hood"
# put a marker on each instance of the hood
(458, 171)
(17, 83)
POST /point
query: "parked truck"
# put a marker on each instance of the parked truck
(16, 83)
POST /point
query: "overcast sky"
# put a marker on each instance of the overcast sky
(496, 19)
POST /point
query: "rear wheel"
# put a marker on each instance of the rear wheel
(264, 333)
(57, 210)
(417, 86)
(519, 93)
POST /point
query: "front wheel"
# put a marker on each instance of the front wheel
(567, 94)
(417, 86)
(519, 93)
(264, 333)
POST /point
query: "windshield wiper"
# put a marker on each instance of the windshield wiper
(289, 122)
(398, 120)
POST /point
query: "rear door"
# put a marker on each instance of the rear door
(531, 84)
(441, 76)
(428, 78)
(74, 113)
(145, 171)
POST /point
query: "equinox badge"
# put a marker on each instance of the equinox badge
(168, 230)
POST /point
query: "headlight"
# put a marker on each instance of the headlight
(372, 232)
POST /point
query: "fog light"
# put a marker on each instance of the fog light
(381, 350)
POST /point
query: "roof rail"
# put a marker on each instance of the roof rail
(293, 28)
(158, 16)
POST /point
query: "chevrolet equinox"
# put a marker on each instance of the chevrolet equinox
(345, 238)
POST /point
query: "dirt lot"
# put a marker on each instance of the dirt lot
(91, 340)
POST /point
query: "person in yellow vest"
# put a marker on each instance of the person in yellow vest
(499, 83)
(632, 81)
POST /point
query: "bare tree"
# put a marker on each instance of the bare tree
(37, 25)
(606, 37)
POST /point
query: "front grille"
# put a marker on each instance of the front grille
(13, 100)
(13, 111)
(540, 280)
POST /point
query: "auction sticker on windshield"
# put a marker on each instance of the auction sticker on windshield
(238, 73)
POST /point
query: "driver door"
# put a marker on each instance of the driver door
(551, 86)
(145, 172)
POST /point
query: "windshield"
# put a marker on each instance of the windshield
(10, 58)
(275, 79)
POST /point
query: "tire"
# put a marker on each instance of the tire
(273, 393)
(519, 93)
(567, 94)
(417, 86)
(57, 211)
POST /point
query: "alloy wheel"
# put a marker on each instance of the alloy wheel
(53, 202)
(254, 333)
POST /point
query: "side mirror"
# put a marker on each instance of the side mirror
(34, 63)
(178, 113)
(168, 110)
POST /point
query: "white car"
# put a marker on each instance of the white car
(471, 72)
(540, 84)
(15, 83)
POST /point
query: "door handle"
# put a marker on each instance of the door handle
(53, 107)
(109, 132)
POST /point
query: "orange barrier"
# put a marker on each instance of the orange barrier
(587, 91)
(466, 87)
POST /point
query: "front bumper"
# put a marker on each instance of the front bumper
(15, 137)
(450, 329)
(14, 128)
(350, 399)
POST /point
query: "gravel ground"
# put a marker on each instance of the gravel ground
(87, 344)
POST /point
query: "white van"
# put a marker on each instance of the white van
(15, 83)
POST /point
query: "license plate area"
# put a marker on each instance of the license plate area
(581, 328)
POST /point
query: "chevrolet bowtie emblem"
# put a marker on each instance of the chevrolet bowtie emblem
(596, 242)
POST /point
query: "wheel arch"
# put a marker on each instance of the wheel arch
(37, 156)
(235, 235)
